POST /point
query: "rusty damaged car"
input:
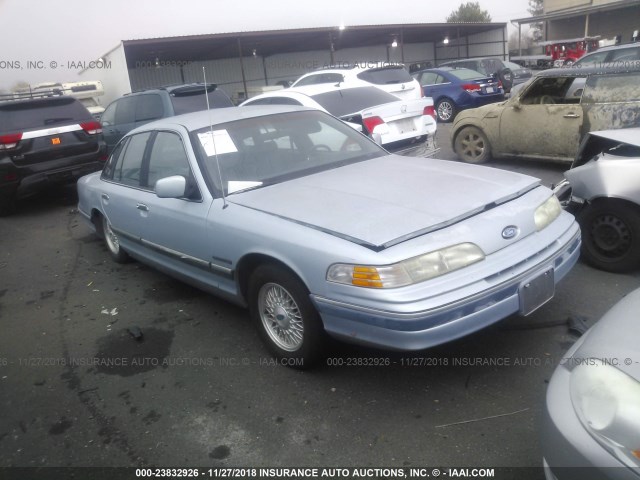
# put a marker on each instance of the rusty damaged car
(549, 116)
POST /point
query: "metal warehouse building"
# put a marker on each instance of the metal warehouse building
(240, 61)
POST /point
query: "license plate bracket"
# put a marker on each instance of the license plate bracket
(536, 291)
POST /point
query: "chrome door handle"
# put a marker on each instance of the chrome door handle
(143, 207)
(572, 115)
(105, 196)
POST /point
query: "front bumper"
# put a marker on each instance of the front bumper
(419, 329)
(570, 453)
(569, 202)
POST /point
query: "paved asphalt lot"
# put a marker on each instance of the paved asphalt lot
(203, 391)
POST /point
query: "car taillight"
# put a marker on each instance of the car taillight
(500, 84)
(471, 87)
(10, 140)
(92, 128)
(372, 122)
(430, 110)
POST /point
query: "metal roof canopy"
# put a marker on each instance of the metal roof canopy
(267, 43)
(578, 11)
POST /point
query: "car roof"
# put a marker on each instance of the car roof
(311, 90)
(469, 59)
(578, 72)
(196, 120)
(440, 69)
(616, 47)
(173, 88)
(353, 68)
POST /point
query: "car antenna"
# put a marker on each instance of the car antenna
(213, 140)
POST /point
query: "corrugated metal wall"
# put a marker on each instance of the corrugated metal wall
(227, 73)
(486, 44)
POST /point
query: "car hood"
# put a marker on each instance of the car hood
(491, 110)
(381, 202)
(614, 337)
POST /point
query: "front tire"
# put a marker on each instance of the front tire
(611, 235)
(446, 110)
(113, 242)
(286, 320)
(472, 146)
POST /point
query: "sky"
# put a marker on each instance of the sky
(35, 34)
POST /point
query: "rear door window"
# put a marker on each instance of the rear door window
(125, 110)
(428, 78)
(623, 87)
(109, 168)
(149, 107)
(128, 168)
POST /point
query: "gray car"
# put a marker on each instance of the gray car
(603, 190)
(591, 423)
(317, 229)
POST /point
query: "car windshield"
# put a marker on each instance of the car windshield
(465, 74)
(352, 100)
(259, 151)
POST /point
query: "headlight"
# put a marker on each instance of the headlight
(413, 270)
(607, 402)
(547, 212)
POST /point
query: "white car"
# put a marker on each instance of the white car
(398, 125)
(390, 78)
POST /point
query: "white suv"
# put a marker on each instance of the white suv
(390, 78)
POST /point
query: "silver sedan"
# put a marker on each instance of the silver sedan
(591, 427)
(318, 230)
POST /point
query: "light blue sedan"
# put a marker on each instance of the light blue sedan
(318, 230)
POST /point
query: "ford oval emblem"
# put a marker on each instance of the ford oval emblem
(510, 232)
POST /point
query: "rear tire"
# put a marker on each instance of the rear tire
(472, 146)
(286, 320)
(446, 110)
(113, 242)
(611, 235)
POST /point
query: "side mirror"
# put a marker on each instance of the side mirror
(171, 187)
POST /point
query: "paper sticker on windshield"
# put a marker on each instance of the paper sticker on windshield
(220, 144)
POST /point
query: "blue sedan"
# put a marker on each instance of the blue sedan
(455, 89)
(318, 230)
